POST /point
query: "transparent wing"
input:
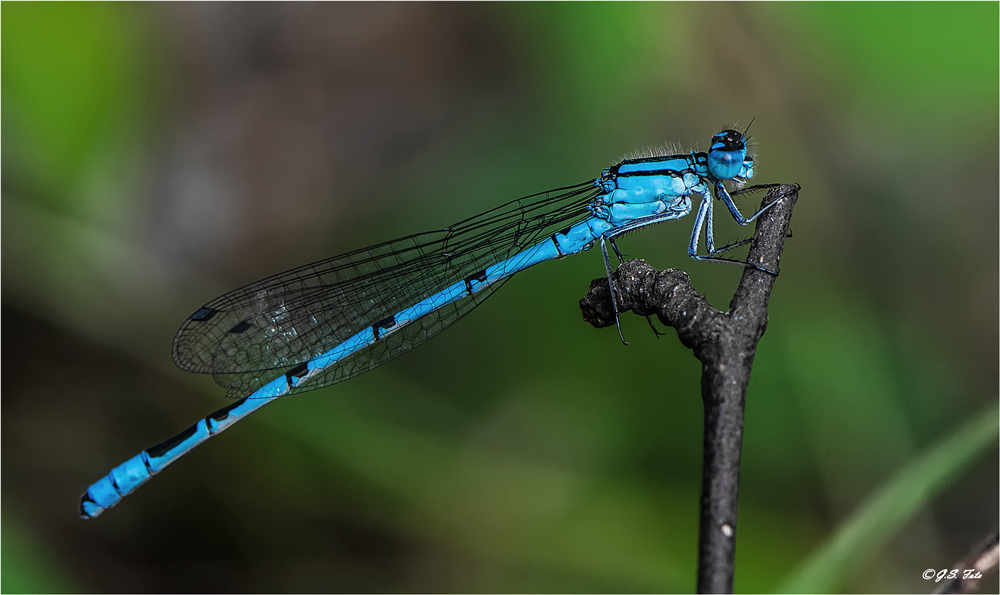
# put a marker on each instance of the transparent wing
(249, 336)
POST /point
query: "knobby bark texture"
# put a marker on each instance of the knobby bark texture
(725, 343)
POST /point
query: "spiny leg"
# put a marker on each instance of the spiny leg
(614, 247)
(705, 219)
(611, 285)
(710, 234)
(722, 194)
(649, 318)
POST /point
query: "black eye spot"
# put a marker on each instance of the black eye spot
(731, 140)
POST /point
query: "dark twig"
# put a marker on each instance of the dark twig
(725, 344)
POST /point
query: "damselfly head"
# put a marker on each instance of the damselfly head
(727, 155)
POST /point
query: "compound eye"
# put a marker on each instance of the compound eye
(725, 165)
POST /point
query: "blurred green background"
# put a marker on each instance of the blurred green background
(157, 155)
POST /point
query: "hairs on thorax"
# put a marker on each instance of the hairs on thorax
(671, 148)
